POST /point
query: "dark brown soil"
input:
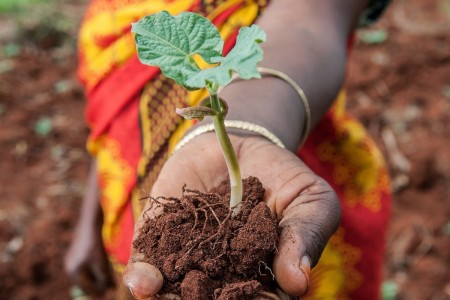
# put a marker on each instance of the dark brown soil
(400, 86)
(206, 252)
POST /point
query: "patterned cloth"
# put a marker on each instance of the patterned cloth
(131, 112)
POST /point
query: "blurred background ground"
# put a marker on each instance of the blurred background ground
(398, 86)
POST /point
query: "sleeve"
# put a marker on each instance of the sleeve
(373, 11)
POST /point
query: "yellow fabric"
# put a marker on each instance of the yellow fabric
(347, 158)
(106, 24)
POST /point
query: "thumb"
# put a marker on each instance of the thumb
(307, 224)
(292, 268)
(143, 280)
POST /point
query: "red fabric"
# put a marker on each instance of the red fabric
(115, 92)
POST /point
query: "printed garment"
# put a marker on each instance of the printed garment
(131, 112)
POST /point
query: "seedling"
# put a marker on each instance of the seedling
(174, 44)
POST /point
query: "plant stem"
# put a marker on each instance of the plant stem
(228, 153)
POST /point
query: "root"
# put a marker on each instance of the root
(204, 204)
(214, 214)
(268, 295)
(197, 243)
(219, 231)
(154, 203)
(265, 267)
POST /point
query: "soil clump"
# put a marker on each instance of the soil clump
(206, 252)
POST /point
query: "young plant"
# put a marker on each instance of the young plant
(174, 43)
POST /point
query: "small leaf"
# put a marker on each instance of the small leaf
(242, 59)
(389, 290)
(171, 42)
(43, 126)
(196, 112)
(11, 50)
(373, 37)
(206, 102)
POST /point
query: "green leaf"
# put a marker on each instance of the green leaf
(7, 6)
(43, 126)
(11, 50)
(373, 37)
(171, 43)
(389, 290)
(242, 59)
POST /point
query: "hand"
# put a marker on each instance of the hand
(86, 262)
(307, 206)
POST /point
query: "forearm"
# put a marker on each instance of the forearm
(91, 212)
(306, 40)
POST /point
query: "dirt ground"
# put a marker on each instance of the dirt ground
(398, 85)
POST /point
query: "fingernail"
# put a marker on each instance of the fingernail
(132, 284)
(133, 294)
(305, 267)
(143, 280)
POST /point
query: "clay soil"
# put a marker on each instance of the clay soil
(398, 86)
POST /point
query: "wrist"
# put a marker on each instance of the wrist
(233, 127)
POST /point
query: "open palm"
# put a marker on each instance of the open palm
(307, 207)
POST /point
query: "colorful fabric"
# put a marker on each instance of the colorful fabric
(131, 112)
(340, 151)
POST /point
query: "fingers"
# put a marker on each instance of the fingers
(143, 280)
(307, 224)
(293, 275)
(308, 207)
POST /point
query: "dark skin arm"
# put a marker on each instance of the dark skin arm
(314, 36)
(307, 40)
